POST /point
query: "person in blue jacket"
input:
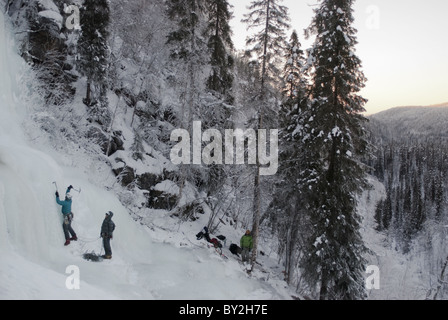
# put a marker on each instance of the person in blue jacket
(69, 233)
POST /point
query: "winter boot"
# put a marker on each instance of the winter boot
(106, 256)
(74, 238)
(67, 242)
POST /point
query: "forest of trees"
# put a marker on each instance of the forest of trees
(173, 62)
(414, 175)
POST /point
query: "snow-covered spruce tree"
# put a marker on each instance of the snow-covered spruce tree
(220, 44)
(93, 56)
(267, 45)
(189, 50)
(295, 82)
(287, 210)
(217, 111)
(189, 54)
(334, 138)
(200, 45)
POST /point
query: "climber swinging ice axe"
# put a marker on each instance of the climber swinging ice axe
(66, 210)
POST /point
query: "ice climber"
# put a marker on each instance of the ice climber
(66, 204)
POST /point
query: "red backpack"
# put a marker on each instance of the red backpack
(216, 243)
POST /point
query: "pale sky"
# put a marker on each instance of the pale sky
(403, 45)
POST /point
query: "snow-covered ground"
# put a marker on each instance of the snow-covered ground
(399, 277)
(165, 262)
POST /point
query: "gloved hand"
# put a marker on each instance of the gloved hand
(70, 187)
(57, 194)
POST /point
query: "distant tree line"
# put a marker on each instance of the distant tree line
(414, 174)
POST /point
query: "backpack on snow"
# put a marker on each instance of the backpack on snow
(235, 249)
(203, 233)
(199, 235)
(216, 243)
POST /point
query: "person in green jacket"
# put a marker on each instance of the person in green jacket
(246, 244)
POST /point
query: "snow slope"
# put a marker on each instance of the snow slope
(401, 277)
(147, 263)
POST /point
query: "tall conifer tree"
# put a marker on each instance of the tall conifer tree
(294, 79)
(187, 50)
(188, 46)
(334, 139)
(287, 206)
(93, 47)
(220, 44)
(268, 44)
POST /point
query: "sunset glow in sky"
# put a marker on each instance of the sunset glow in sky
(403, 45)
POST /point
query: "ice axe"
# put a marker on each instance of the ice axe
(79, 191)
(54, 182)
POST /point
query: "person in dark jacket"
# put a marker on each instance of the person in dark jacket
(107, 229)
(69, 233)
(246, 244)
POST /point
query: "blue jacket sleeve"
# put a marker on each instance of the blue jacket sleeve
(59, 201)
